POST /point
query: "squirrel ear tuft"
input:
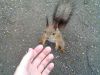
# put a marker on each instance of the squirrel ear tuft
(47, 24)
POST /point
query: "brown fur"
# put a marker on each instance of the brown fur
(52, 31)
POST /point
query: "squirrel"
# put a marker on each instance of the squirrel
(52, 32)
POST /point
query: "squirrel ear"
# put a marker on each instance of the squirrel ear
(47, 24)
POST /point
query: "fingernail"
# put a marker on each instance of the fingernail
(48, 48)
(30, 49)
(51, 56)
(40, 45)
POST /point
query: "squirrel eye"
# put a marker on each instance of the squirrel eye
(53, 33)
(44, 31)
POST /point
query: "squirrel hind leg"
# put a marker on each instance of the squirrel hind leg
(62, 49)
(56, 46)
(62, 46)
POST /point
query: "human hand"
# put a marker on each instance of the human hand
(36, 62)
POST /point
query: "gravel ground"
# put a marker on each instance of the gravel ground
(22, 21)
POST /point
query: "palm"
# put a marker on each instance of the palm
(32, 64)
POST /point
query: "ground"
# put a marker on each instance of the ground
(22, 21)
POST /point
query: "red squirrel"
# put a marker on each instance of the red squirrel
(52, 31)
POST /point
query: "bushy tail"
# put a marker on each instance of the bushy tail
(61, 15)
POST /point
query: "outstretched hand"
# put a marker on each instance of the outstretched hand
(36, 62)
